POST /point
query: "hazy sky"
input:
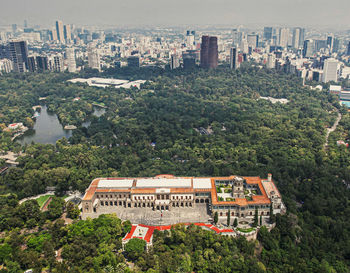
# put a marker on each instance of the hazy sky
(177, 12)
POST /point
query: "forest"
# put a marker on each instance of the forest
(155, 130)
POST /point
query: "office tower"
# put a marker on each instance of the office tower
(189, 60)
(283, 37)
(42, 63)
(336, 43)
(330, 40)
(320, 44)
(14, 28)
(296, 37)
(174, 62)
(213, 52)
(70, 55)
(133, 61)
(267, 33)
(308, 49)
(237, 37)
(60, 31)
(93, 58)
(25, 24)
(205, 52)
(244, 46)
(53, 35)
(18, 53)
(67, 33)
(330, 70)
(253, 40)
(234, 58)
(348, 51)
(58, 65)
(31, 64)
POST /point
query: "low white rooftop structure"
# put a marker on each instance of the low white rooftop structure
(163, 183)
(201, 183)
(105, 82)
(117, 183)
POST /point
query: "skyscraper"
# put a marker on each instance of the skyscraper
(94, 58)
(237, 37)
(309, 48)
(67, 33)
(60, 31)
(58, 65)
(213, 52)
(174, 62)
(267, 33)
(330, 70)
(234, 58)
(205, 52)
(31, 64)
(253, 40)
(283, 37)
(70, 55)
(330, 40)
(42, 63)
(298, 37)
(18, 53)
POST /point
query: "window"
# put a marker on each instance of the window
(158, 196)
(111, 203)
(115, 203)
(102, 203)
(106, 203)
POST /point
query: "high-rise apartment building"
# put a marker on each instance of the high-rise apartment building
(60, 31)
(271, 61)
(42, 63)
(298, 37)
(94, 58)
(330, 70)
(31, 64)
(174, 62)
(70, 56)
(18, 53)
(58, 64)
(234, 64)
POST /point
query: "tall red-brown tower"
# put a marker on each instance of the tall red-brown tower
(205, 52)
(213, 52)
(209, 52)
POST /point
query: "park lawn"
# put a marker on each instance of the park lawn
(245, 230)
(42, 199)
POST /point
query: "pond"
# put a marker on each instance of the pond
(47, 129)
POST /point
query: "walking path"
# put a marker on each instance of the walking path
(332, 129)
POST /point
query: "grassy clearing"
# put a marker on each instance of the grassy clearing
(42, 199)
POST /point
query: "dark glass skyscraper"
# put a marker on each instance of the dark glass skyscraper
(267, 33)
(18, 52)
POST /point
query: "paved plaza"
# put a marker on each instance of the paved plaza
(156, 217)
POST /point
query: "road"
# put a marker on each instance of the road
(332, 129)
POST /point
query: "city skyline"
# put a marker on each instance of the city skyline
(194, 12)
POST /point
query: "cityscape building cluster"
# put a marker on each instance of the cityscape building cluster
(310, 54)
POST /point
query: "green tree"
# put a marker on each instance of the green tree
(256, 218)
(72, 210)
(228, 218)
(216, 217)
(55, 208)
(235, 222)
(134, 248)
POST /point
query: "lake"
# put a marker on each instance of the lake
(47, 128)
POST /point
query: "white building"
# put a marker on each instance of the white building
(330, 70)
(6, 66)
(271, 60)
(70, 55)
(283, 37)
(94, 58)
(174, 62)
